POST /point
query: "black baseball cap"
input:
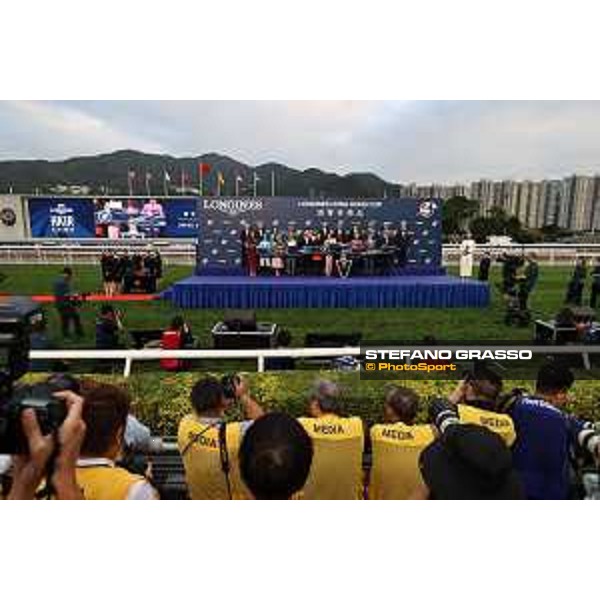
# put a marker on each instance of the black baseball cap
(470, 462)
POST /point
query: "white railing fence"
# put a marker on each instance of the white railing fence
(178, 252)
(131, 356)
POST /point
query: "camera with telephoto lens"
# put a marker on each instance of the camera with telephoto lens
(17, 315)
(49, 411)
(229, 383)
(442, 413)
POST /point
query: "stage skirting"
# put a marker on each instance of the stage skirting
(320, 292)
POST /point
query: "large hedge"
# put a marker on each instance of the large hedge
(161, 399)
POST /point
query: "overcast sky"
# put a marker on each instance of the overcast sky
(420, 141)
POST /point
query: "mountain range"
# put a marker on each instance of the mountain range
(108, 173)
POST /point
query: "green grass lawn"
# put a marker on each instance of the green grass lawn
(375, 324)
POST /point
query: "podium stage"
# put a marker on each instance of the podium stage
(418, 291)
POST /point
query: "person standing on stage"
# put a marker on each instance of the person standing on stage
(402, 242)
(278, 263)
(467, 250)
(291, 255)
(252, 257)
(328, 246)
(66, 302)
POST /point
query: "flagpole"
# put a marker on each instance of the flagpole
(254, 184)
(182, 182)
(148, 185)
(130, 182)
(237, 186)
(165, 188)
(272, 183)
(201, 165)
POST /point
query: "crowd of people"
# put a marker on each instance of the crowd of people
(478, 443)
(128, 273)
(122, 273)
(333, 252)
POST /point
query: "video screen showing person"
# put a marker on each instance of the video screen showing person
(130, 218)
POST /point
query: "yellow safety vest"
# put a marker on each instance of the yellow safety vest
(396, 448)
(497, 422)
(336, 472)
(104, 482)
(202, 461)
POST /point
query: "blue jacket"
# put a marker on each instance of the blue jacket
(545, 438)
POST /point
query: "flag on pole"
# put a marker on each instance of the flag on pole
(183, 181)
(166, 181)
(130, 180)
(203, 169)
(220, 182)
(238, 180)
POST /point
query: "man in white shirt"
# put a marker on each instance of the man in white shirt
(467, 251)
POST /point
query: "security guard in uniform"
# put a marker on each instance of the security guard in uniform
(209, 446)
(336, 471)
(476, 398)
(396, 447)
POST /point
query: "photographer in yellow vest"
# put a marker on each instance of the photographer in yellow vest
(105, 413)
(396, 446)
(476, 398)
(336, 472)
(208, 445)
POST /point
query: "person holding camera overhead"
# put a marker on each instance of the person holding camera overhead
(476, 399)
(56, 452)
(209, 445)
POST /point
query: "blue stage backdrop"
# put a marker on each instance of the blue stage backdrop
(61, 217)
(221, 220)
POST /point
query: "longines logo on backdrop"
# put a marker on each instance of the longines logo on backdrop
(233, 206)
(427, 208)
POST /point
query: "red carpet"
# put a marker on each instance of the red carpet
(103, 298)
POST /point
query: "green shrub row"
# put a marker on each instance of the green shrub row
(161, 399)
